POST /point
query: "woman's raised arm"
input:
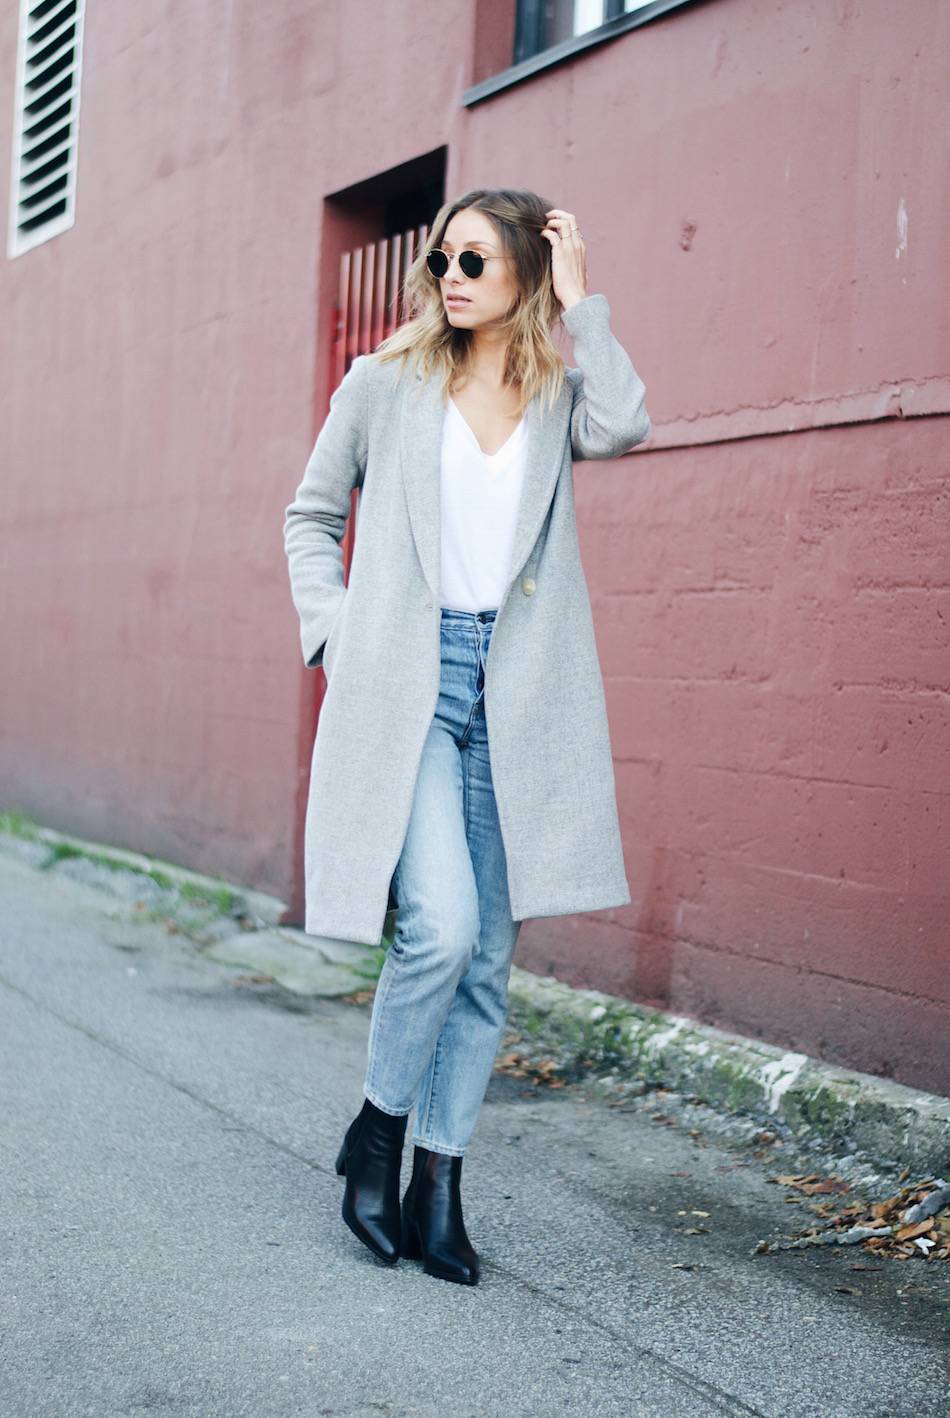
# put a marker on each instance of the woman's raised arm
(608, 415)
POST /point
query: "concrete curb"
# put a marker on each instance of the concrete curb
(304, 964)
(230, 924)
(586, 1031)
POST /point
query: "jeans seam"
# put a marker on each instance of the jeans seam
(424, 1119)
(371, 1073)
(466, 794)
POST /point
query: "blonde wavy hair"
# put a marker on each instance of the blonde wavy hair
(427, 342)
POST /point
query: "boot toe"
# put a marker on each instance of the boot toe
(463, 1269)
(379, 1240)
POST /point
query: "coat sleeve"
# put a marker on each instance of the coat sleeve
(608, 414)
(315, 521)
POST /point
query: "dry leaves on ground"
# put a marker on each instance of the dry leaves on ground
(542, 1071)
(913, 1223)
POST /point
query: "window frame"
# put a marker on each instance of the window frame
(558, 53)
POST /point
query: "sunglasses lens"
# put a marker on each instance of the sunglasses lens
(471, 263)
(438, 263)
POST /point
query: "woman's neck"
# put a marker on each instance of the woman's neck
(487, 361)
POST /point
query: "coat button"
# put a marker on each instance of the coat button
(528, 586)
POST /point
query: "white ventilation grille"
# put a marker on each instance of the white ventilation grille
(46, 123)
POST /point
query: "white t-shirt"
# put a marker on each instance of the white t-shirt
(480, 494)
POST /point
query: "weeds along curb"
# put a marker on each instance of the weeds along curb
(588, 1032)
(48, 849)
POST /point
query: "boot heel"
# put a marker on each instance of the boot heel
(341, 1162)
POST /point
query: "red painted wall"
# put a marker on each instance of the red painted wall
(762, 192)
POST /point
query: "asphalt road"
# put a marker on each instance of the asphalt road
(172, 1241)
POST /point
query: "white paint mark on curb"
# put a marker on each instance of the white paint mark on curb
(659, 1041)
(779, 1076)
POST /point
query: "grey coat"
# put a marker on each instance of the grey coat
(378, 640)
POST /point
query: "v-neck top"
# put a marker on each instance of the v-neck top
(480, 493)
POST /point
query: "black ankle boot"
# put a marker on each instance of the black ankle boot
(370, 1159)
(432, 1224)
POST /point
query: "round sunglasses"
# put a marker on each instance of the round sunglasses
(472, 263)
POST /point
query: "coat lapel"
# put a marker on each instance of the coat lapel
(421, 421)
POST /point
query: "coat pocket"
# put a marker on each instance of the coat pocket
(329, 645)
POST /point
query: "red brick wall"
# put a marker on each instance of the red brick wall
(756, 186)
(773, 618)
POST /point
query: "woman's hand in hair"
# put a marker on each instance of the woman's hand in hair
(568, 257)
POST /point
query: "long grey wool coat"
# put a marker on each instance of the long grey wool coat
(378, 639)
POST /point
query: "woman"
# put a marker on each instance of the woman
(465, 624)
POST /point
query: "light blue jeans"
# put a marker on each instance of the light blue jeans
(442, 997)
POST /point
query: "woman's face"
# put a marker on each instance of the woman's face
(491, 295)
